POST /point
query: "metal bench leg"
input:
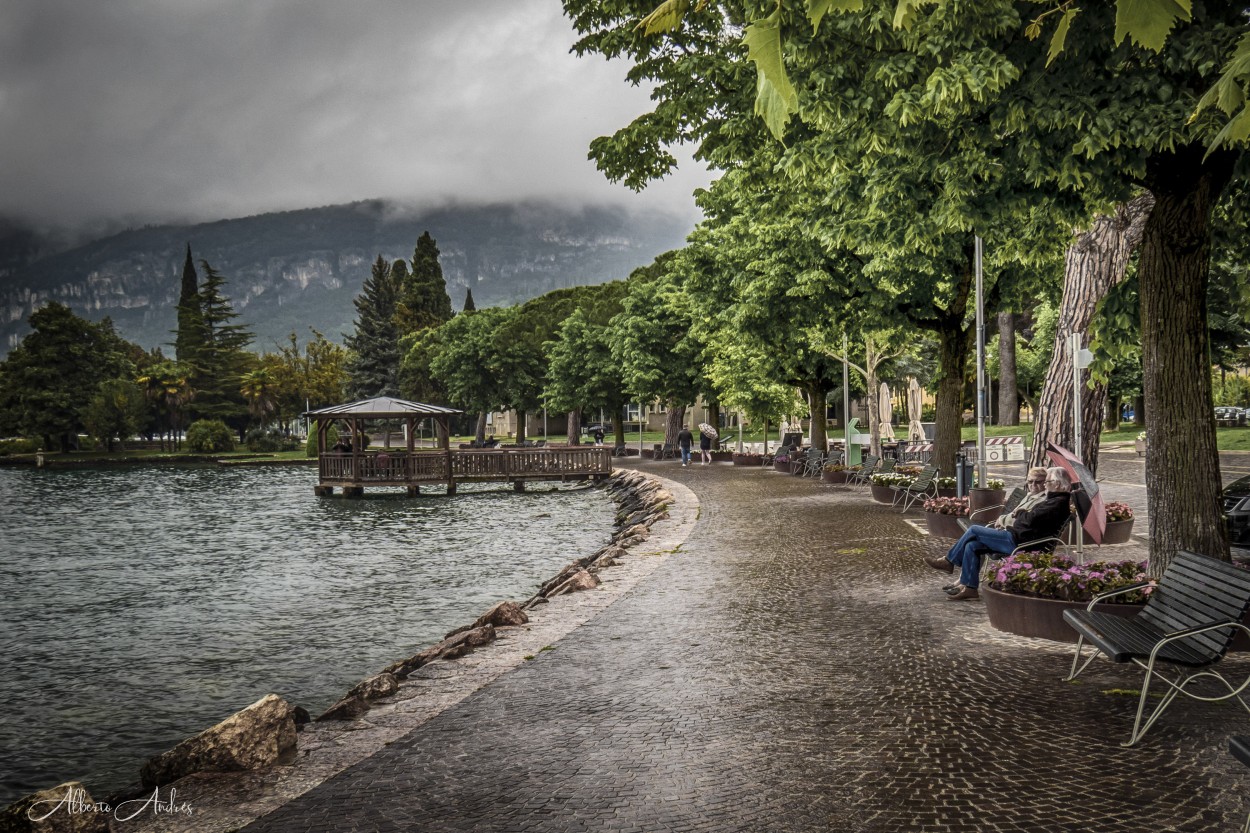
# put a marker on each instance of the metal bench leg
(1075, 672)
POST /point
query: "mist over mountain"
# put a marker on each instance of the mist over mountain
(293, 270)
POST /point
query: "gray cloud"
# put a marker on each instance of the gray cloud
(200, 109)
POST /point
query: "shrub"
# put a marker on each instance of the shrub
(944, 482)
(262, 440)
(209, 436)
(947, 505)
(892, 478)
(992, 483)
(310, 445)
(19, 445)
(835, 467)
(1050, 576)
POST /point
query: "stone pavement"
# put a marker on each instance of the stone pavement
(794, 666)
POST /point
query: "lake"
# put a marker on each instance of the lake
(144, 604)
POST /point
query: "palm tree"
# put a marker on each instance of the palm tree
(166, 384)
(261, 392)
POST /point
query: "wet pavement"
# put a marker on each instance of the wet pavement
(794, 666)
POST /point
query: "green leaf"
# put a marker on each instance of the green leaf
(817, 9)
(905, 12)
(1061, 35)
(1148, 22)
(775, 97)
(664, 17)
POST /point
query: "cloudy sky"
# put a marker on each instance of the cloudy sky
(157, 110)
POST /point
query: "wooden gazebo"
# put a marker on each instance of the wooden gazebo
(351, 469)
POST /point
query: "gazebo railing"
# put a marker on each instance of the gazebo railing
(401, 467)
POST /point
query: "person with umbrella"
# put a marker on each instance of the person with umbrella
(706, 434)
(1042, 521)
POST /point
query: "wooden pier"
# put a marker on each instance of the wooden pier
(410, 467)
(353, 472)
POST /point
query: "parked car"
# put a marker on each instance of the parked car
(1228, 415)
(1236, 500)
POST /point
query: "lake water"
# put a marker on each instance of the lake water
(141, 605)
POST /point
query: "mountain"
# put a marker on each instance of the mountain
(293, 270)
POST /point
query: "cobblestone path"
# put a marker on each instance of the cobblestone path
(794, 667)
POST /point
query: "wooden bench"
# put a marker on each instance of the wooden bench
(1186, 626)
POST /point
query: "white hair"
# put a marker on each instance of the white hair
(1061, 475)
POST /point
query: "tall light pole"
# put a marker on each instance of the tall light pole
(980, 367)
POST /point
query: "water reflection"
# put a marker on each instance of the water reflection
(142, 605)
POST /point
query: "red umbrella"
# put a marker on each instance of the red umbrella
(1089, 505)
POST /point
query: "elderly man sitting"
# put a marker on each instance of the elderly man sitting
(1043, 520)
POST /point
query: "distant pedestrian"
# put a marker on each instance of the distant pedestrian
(705, 446)
(598, 436)
(684, 439)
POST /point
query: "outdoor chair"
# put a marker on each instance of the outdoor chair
(814, 464)
(924, 485)
(886, 464)
(1013, 500)
(666, 452)
(1187, 624)
(870, 464)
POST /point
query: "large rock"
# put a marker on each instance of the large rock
(502, 615)
(581, 580)
(65, 808)
(356, 702)
(259, 736)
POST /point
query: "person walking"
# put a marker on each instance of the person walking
(705, 446)
(684, 439)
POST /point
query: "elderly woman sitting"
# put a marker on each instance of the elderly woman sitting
(1044, 520)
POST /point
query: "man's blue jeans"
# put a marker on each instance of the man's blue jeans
(685, 454)
(966, 554)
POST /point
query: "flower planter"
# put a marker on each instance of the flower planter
(946, 492)
(943, 526)
(782, 466)
(882, 494)
(1041, 618)
(725, 457)
(981, 498)
(748, 459)
(1140, 447)
(797, 466)
(1117, 532)
(834, 477)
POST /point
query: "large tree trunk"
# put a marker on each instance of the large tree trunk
(573, 431)
(953, 347)
(1182, 463)
(1008, 396)
(618, 428)
(480, 433)
(818, 435)
(521, 417)
(676, 419)
(1094, 263)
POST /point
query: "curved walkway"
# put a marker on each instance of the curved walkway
(792, 667)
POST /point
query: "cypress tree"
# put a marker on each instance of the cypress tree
(220, 360)
(469, 306)
(374, 367)
(188, 332)
(424, 302)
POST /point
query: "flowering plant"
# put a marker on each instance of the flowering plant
(944, 482)
(993, 483)
(782, 458)
(1142, 436)
(1049, 576)
(892, 478)
(947, 505)
(914, 471)
(1117, 511)
(834, 467)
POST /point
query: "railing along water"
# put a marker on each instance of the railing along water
(401, 468)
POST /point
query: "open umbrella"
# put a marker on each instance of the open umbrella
(915, 403)
(707, 428)
(1088, 500)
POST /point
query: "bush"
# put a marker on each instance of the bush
(209, 436)
(957, 506)
(19, 445)
(1051, 576)
(310, 445)
(262, 440)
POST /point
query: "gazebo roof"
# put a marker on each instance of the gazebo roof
(382, 407)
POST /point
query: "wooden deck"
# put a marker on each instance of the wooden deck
(353, 472)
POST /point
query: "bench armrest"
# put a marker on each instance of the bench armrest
(987, 508)
(1118, 592)
(1194, 631)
